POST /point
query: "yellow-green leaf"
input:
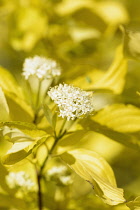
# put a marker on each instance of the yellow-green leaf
(112, 12)
(119, 117)
(130, 140)
(3, 174)
(48, 114)
(83, 33)
(70, 141)
(67, 7)
(8, 83)
(11, 128)
(19, 109)
(94, 169)
(27, 18)
(114, 78)
(10, 200)
(4, 109)
(134, 205)
(132, 40)
(24, 140)
(22, 149)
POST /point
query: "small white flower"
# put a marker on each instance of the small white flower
(72, 101)
(19, 179)
(57, 170)
(66, 180)
(41, 67)
(60, 174)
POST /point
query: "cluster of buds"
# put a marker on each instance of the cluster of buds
(72, 101)
(40, 67)
(20, 180)
(60, 174)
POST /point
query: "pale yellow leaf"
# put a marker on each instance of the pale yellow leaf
(112, 12)
(82, 33)
(134, 205)
(4, 109)
(119, 117)
(67, 7)
(114, 78)
(94, 169)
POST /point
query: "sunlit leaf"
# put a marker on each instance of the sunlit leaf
(3, 184)
(19, 109)
(112, 12)
(134, 205)
(81, 34)
(48, 114)
(26, 21)
(130, 140)
(66, 7)
(94, 169)
(21, 150)
(6, 201)
(8, 83)
(9, 128)
(119, 117)
(132, 40)
(4, 109)
(70, 141)
(113, 79)
(23, 143)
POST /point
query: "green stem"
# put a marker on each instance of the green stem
(39, 172)
(38, 177)
(40, 206)
(49, 153)
(62, 127)
(30, 93)
(38, 94)
(57, 138)
(36, 103)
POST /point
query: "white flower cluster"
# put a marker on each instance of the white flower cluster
(19, 179)
(60, 173)
(57, 170)
(72, 101)
(41, 67)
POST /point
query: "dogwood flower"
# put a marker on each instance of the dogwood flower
(72, 101)
(41, 67)
(19, 179)
(56, 170)
(60, 174)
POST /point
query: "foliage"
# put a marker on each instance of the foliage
(87, 160)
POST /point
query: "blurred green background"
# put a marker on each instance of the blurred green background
(82, 35)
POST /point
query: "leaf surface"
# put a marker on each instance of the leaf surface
(4, 109)
(113, 79)
(19, 109)
(132, 40)
(119, 117)
(94, 169)
(8, 83)
(24, 141)
(70, 141)
(129, 140)
(134, 205)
